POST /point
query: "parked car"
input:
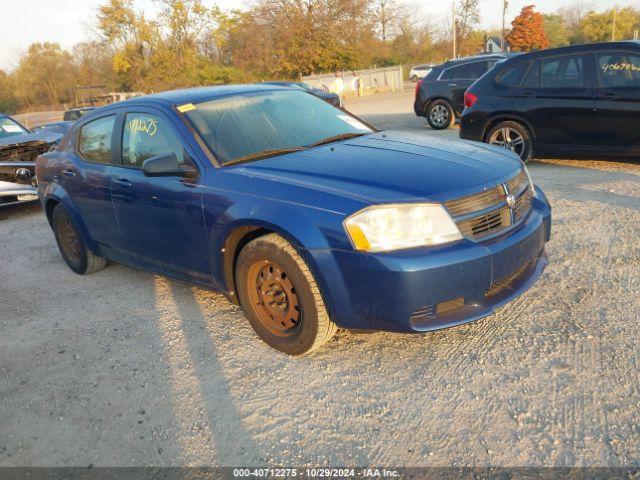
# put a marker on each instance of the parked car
(419, 71)
(18, 151)
(74, 114)
(56, 127)
(332, 98)
(440, 95)
(303, 214)
(578, 100)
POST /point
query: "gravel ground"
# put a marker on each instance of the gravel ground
(122, 368)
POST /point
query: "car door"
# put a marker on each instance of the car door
(460, 78)
(618, 100)
(160, 218)
(86, 177)
(557, 100)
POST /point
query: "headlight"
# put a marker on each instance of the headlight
(392, 227)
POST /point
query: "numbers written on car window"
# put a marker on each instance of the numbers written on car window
(146, 136)
(95, 140)
(619, 69)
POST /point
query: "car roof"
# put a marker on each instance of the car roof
(583, 47)
(475, 58)
(200, 94)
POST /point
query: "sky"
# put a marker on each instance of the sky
(68, 22)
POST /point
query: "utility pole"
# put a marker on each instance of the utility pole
(613, 29)
(453, 28)
(505, 5)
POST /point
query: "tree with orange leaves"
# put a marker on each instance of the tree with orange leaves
(528, 31)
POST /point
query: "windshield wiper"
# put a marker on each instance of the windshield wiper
(263, 154)
(335, 138)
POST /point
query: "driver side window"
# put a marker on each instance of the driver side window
(145, 136)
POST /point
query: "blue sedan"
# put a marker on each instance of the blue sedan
(303, 214)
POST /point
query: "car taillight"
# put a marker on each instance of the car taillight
(469, 99)
(418, 85)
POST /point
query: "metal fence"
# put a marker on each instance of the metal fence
(358, 82)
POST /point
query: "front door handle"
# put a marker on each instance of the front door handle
(69, 173)
(122, 182)
(453, 84)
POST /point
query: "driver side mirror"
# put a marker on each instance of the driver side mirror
(165, 166)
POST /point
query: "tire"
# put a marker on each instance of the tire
(72, 248)
(440, 115)
(518, 139)
(280, 297)
(414, 78)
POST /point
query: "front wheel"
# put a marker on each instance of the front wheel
(440, 115)
(72, 248)
(512, 136)
(280, 297)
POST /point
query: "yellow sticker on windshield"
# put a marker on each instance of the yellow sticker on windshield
(187, 107)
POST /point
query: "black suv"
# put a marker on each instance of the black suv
(439, 95)
(579, 100)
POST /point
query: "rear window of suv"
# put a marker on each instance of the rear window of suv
(619, 69)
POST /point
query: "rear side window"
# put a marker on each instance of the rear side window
(469, 71)
(619, 69)
(513, 76)
(563, 72)
(94, 142)
(147, 136)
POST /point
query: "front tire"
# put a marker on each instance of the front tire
(512, 136)
(72, 248)
(440, 115)
(280, 296)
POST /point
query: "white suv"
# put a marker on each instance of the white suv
(419, 71)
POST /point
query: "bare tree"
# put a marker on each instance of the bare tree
(467, 18)
(574, 13)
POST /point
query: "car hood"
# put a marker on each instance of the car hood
(14, 140)
(392, 166)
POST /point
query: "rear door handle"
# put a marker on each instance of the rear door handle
(69, 173)
(610, 96)
(453, 84)
(122, 182)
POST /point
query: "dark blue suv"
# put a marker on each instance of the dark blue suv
(440, 95)
(577, 101)
(298, 211)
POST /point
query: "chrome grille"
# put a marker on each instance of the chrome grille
(24, 152)
(517, 184)
(475, 202)
(493, 213)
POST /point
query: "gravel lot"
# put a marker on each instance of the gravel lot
(122, 368)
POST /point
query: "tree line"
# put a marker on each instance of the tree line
(189, 44)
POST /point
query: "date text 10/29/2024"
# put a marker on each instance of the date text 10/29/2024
(315, 473)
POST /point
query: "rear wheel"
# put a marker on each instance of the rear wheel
(512, 136)
(72, 248)
(280, 297)
(440, 114)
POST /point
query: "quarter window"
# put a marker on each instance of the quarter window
(619, 69)
(563, 72)
(147, 136)
(95, 140)
(513, 76)
(469, 71)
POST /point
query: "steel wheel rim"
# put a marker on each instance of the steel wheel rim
(439, 115)
(274, 299)
(508, 138)
(69, 240)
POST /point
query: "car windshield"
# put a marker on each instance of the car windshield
(262, 124)
(9, 128)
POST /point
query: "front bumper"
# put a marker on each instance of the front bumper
(427, 289)
(11, 193)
